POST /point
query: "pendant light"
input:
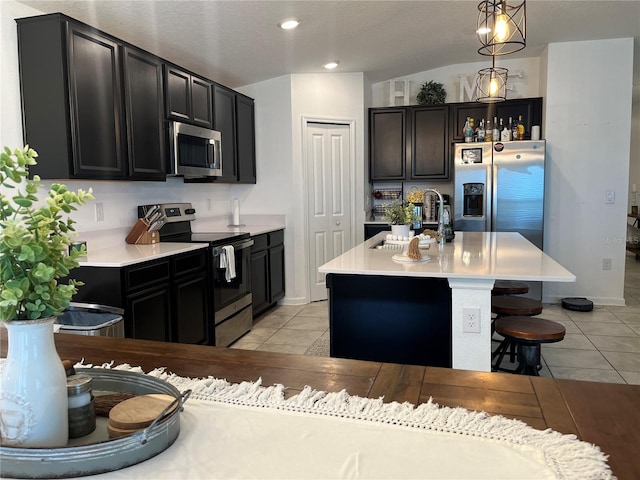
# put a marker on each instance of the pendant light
(491, 84)
(501, 27)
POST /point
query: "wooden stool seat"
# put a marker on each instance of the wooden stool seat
(530, 329)
(527, 333)
(507, 305)
(509, 287)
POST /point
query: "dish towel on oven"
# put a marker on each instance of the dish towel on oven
(228, 261)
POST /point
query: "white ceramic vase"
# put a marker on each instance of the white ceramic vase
(400, 230)
(33, 396)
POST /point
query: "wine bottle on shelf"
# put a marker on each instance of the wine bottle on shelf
(496, 129)
(520, 128)
(514, 130)
(480, 132)
(505, 135)
(488, 134)
(468, 131)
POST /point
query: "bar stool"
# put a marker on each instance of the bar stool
(527, 333)
(509, 287)
(511, 305)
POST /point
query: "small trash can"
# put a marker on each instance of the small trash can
(92, 319)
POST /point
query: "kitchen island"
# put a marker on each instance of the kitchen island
(412, 312)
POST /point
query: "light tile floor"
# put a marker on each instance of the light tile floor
(602, 345)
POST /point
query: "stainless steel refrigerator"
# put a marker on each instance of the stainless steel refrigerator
(499, 187)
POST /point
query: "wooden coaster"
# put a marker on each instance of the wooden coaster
(138, 412)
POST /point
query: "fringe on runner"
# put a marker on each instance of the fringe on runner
(565, 454)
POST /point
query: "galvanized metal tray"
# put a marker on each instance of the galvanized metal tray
(96, 453)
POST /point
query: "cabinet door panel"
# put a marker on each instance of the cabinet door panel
(387, 150)
(150, 312)
(178, 94)
(225, 122)
(191, 321)
(145, 115)
(94, 78)
(276, 273)
(260, 281)
(245, 134)
(430, 147)
(201, 102)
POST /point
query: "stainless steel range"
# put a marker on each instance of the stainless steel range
(230, 259)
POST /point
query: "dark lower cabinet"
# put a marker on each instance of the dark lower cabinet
(148, 314)
(390, 319)
(166, 299)
(372, 229)
(267, 270)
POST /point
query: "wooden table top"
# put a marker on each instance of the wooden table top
(604, 414)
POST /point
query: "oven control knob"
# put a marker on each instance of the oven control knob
(338, 222)
(190, 211)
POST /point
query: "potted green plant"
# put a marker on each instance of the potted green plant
(35, 235)
(400, 216)
(431, 93)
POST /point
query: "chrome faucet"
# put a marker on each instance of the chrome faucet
(440, 215)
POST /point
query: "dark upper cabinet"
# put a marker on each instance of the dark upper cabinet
(92, 105)
(188, 97)
(387, 143)
(70, 79)
(409, 143)
(233, 117)
(144, 112)
(224, 121)
(246, 139)
(529, 108)
(429, 143)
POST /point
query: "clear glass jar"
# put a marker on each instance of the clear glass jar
(82, 414)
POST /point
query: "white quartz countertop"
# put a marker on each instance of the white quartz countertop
(126, 254)
(107, 248)
(481, 255)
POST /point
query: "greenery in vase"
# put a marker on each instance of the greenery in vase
(34, 241)
(398, 213)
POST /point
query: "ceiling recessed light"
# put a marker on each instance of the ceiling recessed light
(331, 65)
(289, 24)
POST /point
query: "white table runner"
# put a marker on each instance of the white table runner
(243, 431)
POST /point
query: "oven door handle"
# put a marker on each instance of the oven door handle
(236, 246)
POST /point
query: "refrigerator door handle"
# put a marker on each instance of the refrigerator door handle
(494, 197)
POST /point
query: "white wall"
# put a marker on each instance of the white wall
(588, 127)
(523, 86)
(284, 102)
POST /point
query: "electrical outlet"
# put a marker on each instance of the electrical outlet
(99, 212)
(471, 319)
(606, 264)
(208, 204)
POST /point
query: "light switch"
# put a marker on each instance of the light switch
(611, 197)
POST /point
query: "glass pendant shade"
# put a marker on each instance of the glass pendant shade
(501, 27)
(491, 84)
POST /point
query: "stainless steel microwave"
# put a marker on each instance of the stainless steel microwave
(194, 151)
